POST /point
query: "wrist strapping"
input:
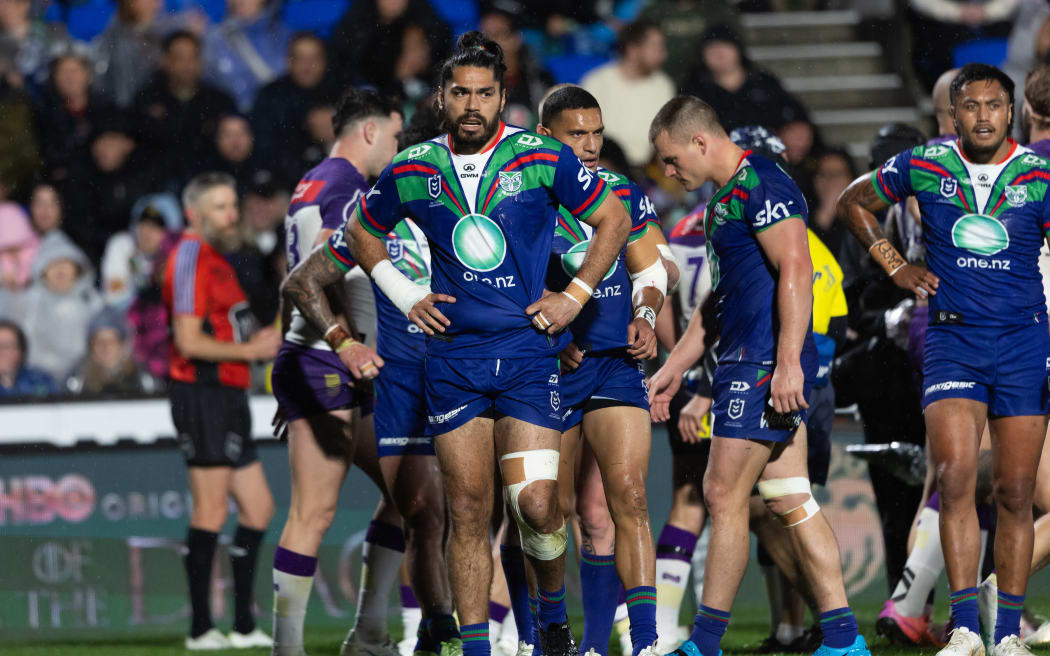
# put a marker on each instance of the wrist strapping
(578, 291)
(884, 260)
(401, 291)
(647, 313)
(336, 336)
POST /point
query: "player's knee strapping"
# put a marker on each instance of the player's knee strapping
(783, 487)
(520, 469)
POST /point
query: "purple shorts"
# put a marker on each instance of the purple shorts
(308, 382)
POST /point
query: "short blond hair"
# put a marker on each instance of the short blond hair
(685, 113)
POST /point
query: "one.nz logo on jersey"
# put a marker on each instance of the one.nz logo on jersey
(479, 243)
(980, 234)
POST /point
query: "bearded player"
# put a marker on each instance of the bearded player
(982, 199)
(761, 274)
(484, 195)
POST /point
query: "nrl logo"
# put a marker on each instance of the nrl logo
(736, 409)
(529, 140)
(949, 187)
(937, 151)
(434, 185)
(1016, 194)
(510, 183)
(555, 400)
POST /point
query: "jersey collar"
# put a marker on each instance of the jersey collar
(962, 154)
(492, 144)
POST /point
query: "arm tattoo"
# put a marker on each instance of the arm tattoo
(888, 254)
(305, 285)
(857, 207)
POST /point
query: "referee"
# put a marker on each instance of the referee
(216, 336)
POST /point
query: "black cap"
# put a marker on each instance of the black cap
(892, 139)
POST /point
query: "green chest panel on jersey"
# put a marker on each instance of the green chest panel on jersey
(728, 204)
(510, 171)
(939, 171)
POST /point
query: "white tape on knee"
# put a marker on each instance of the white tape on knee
(782, 487)
(537, 465)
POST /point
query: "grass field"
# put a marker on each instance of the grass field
(749, 626)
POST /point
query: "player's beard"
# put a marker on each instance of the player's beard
(464, 142)
(977, 153)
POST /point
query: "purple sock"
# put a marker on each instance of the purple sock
(385, 535)
(408, 598)
(296, 564)
(934, 502)
(498, 611)
(676, 543)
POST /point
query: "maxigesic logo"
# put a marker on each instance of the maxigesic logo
(479, 243)
(980, 234)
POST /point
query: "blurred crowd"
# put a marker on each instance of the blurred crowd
(99, 137)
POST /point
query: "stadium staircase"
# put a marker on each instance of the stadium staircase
(845, 82)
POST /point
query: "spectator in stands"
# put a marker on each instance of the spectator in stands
(58, 305)
(235, 153)
(19, 155)
(45, 209)
(526, 80)
(257, 259)
(279, 116)
(369, 24)
(247, 49)
(319, 138)
(132, 256)
(176, 112)
(633, 88)
(129, 49)
(740, 94)
(147, 315)
(29, 43)
(100, 195)
(834, 171)
(66, 115)
(17, 380)
(683, 23)
(938, 26)
(18, 249)
(109, 368)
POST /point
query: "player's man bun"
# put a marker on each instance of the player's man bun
(473, 49)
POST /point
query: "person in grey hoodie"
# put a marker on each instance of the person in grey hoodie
(58, 305)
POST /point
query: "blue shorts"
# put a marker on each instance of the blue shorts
(741, 391)
(603, 380)
(400, 412)
(1006, 368)
(308, 382)
(460, 389)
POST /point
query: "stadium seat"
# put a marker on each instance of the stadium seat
(461, 15)
(318, 16)
(983, 51)
(570, 68)
(86, 20)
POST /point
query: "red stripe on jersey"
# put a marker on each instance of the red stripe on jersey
(1031, 175)
(929, 166)
(368, 216)
(307, 190)
(742, 194)
(594, 194)
(550, 157)
(623, 193)
(454, 201)
(417, 168)
(571, 231)
(339, 256)
(885, 188)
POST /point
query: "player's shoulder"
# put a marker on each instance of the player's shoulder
(433, 151)
(761, 171)
(690, 225)
(332, 177)
(614, 179)
(1029, 159)
(519, 140)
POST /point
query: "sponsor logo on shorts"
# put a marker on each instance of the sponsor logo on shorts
(739, 386)
(950, 385)
(555, 400)
(403, 441)
(448, 416)
(553, 380)
(736, 408)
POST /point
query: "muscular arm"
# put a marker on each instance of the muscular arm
(665, 324)
(659, 242)
(690, 346)
(366, 249)
(787, 248)
(856, 207)
(611, 227)
(305, 288)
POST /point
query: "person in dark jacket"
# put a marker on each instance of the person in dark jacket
(176, 113)
(109, 369)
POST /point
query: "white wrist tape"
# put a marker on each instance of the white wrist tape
(647, 313)
(582, 285)
(655, 275)
(401, 291)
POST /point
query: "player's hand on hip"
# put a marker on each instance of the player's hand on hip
(362, 362)
(571, 358)
(691, 419)
(264, 344)
(553, 313)
(663, 386)
(426, 315)
(787, 389)
(916, 279)
(642, 340)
